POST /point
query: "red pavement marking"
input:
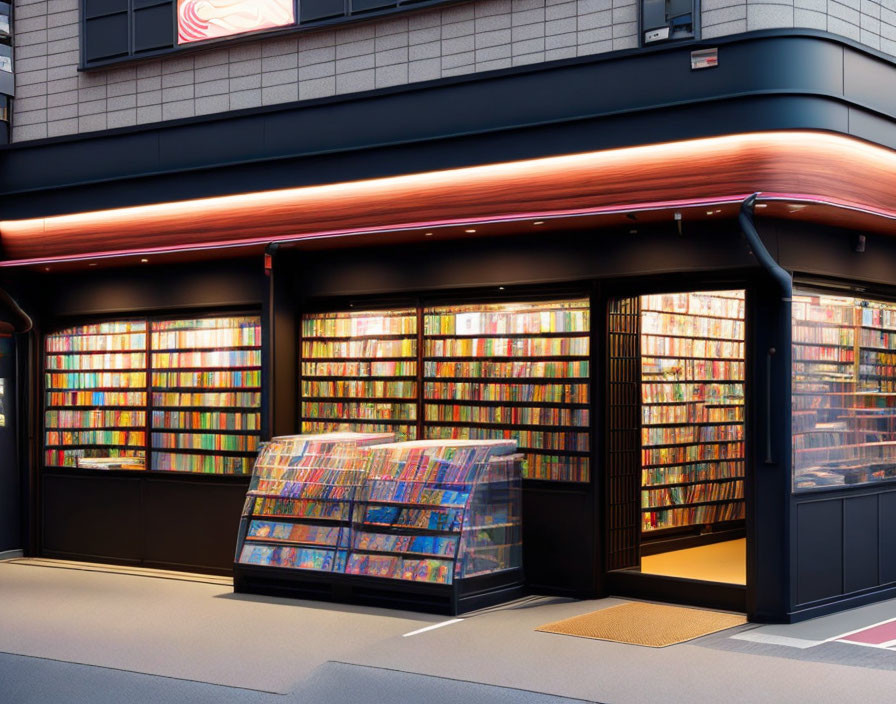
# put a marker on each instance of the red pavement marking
(875, 635)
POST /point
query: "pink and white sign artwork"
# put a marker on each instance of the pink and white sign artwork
(198, 20)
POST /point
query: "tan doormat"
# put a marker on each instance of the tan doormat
(653, 625)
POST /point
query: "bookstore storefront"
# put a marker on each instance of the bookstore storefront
(647, 400)
(697, 382)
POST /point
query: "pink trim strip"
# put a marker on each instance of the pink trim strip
(515, 217)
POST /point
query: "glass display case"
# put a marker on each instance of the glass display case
(438, 511)
(430, 524)
(298, 509)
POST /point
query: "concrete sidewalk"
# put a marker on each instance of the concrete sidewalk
(70, 635)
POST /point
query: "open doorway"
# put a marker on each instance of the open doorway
(675, 436)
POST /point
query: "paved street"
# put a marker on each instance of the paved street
(99, 635)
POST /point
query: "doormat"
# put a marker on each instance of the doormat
(652, 625)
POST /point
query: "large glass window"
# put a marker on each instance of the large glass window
(192, 387)
(474, 371)
(844, 391)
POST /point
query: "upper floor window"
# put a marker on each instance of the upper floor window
(5, 17)
(198, 20)
(121, 30)
(668, 19)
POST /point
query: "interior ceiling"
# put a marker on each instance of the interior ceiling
(809, 176)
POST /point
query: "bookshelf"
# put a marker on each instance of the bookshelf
(692, 411)
(844, 390)
(298, 508)
(359, 370)
(430, 524)
(206, 394)
(95, 405)
(178, 395)
(518, 371)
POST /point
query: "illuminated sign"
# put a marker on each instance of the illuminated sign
(198, 20)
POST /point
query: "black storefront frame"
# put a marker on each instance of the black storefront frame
(42, 520)
(682, 590)
(600, 291)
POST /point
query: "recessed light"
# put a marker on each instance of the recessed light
(633, 232)
(144, 260)
(718, 211)
(92, 264)
(709, 212)
(46, 268)
(429, 234)
(538, 222)
(470, 231)
(500, 288)
(761, 205)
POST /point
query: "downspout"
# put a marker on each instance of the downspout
(784, 282)
(781, 276)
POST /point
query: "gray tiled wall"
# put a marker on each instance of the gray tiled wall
(871, 22)
(53, 98)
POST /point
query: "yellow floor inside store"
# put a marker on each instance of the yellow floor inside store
(719, 562)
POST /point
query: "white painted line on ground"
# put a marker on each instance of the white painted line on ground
(434, 626)
(879, 646)
(756, 636)
(771, 639)
(859, 630)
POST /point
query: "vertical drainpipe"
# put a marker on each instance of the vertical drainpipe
(784, 282)
(769, 549)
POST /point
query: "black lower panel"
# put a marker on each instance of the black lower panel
(92, 517)
(170, 521)
(714, 595)
(558, 539)
(191, 523)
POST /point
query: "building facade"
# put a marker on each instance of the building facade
(708, 184)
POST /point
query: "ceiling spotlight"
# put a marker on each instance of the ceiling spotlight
(762, 205)
(538, 222)
(428, 234)
(500, 288)
(709, 212)
(144, 260)
(46, 268)
(470, 231)
(92, 264)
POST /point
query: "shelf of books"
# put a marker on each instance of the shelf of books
(844, 391)
(299, 506)
(692, 411)
(438, 511)
(95, 381)
(206, 394)
(171, 395)
(430, 524)
(517, 371)
(359, 372)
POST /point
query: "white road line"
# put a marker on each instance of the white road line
(434, 626)
(859, 630)
(803, 643)
(771, 639)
